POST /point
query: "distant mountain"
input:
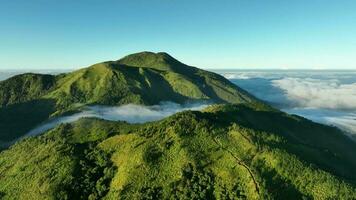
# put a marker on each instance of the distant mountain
(142, 78)
(224, 152)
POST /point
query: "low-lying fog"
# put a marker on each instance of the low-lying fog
(130, 113)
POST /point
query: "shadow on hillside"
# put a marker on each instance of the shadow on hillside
(17, 119)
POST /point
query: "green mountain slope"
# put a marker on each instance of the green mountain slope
(145, 78)
(224, 152)
(142, 78)
(26, 87)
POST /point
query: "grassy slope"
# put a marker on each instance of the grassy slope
(142, 78)
(192, 155)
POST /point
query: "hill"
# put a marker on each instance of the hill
(223, 152)
(143, 78)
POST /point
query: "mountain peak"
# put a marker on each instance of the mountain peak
(149, 54)
(160, 60)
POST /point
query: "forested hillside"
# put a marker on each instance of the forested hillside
(224, 152)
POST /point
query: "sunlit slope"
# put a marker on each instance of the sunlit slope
(224, 152)
(143, 78)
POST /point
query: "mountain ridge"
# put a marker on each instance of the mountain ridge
(143, 78)
(160, 60)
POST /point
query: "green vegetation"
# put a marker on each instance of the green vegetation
(236, 151)
(142, 78)
(239, 149)
(22, 88)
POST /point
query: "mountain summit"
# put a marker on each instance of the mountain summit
(161, 61)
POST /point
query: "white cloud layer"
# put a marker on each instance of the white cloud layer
(316, 93)
(130, 113)
(327, 97)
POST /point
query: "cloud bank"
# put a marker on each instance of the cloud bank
(316, 93)
(309, 89)
(130, 113)
(327, 97)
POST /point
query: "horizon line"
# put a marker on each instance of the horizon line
(204, 68)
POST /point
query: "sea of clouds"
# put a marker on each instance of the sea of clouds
(318, 93)
(327, 97)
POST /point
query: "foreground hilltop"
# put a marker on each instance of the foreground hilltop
(223, 152)
(142, 78)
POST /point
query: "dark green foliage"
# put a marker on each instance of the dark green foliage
(195, 184)
(93, 174)
(152, 154)
(150, 193)
(277, 187)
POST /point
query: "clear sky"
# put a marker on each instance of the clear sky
(208, 34)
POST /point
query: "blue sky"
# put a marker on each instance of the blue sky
(241, 34)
